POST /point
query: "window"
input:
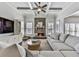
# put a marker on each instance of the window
(67, 28)
(77, 29)
(29, 28)
(50, 28)
(72, 29)
(57, 26)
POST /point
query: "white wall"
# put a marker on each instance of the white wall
(7, 11)
(30, 18)
(72, 8)
(17, 27)
(72, 19)
(50, 19)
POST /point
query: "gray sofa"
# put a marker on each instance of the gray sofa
(14, 50)
(63, 45)
(57, 54)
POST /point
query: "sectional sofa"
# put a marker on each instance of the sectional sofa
(14, 50)
(9, 46)
(63, 45)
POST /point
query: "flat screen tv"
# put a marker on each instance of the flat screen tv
(6, 26)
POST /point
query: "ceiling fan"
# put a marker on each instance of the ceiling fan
(40, 8)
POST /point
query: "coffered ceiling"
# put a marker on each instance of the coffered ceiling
(30, 5)
(50, 9)
(53, 4)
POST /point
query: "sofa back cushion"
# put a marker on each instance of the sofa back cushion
(11, 51)
(63, 37)
(55, 36)
(3, 45)
(72, 41)
(12, 39)
(77, 48)
(6, 39)
(21, 50)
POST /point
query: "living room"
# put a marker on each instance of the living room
(39, 29)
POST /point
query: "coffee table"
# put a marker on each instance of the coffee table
(33, 44)
(44, 46)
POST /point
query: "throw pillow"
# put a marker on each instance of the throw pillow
(63, 37)
(55, 36)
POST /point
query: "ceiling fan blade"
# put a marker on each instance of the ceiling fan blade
(43, 10)
(39, 3)
(55, 8)
(36, 4)
(38, 12)
(35, 8)
(23, 8)
(44, 6)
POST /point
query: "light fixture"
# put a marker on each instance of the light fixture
(39, 9)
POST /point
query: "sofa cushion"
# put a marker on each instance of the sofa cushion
(11, 38)
(18, 38)
(31, 53)
(11, 51)
(61, 46)
(55, 36)
(6, 39)
(51, 41)
(54, 41)
(70, 53)
(50, 54)
(21, 50)
(77, 48)
(63, 37)
(72, 41)
(3, 45)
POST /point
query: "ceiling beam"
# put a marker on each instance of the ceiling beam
(30, 5)
(70, 10)
(11, 5)
(48, 7)
(18, 15)
(28, 8)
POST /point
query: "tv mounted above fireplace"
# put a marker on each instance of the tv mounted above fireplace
(6, 25)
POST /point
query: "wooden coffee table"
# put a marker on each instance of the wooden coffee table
(35, 45)
(33, 48)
